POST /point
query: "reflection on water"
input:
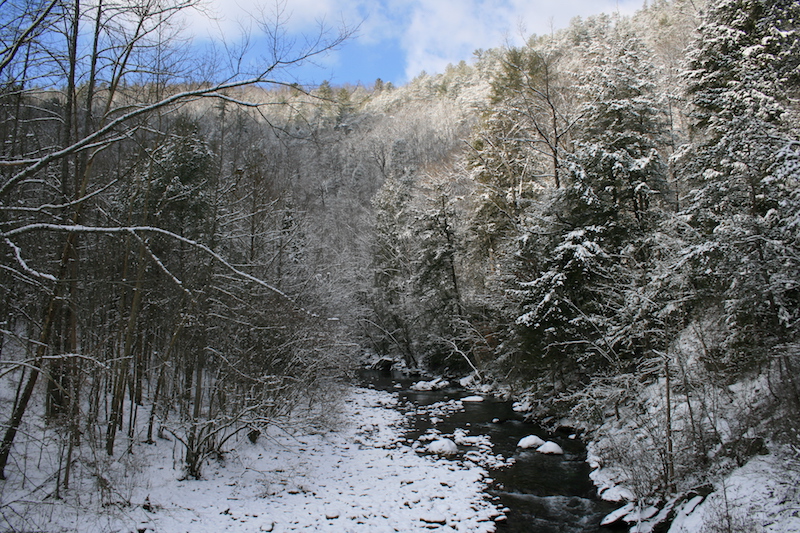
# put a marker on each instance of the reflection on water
(544, 493)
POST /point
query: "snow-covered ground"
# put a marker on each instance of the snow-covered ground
(761, 496)
(359, 478)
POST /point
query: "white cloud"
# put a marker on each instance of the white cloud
(447, 31)
(231, 18)
(432, 33)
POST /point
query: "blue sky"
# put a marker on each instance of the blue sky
(398, 39)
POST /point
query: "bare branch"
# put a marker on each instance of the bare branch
(134, 230)
(26, 35)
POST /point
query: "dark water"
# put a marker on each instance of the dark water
(544, 493)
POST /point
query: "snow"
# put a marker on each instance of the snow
(461, 437)
(479, 447)
(523, 406)
(762, 495)
(623, 511)
(472, 399)
(550, 447)
(436, 384)
(642, 514)
(362, 477)
(685, 518)
(607, 479)
(469, 381)
(531, 441)
(443, 447)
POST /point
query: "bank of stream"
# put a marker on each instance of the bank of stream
(543, 493)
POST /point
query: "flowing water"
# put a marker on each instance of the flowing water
(544, 493)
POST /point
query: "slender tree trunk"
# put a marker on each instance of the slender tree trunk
(670, 466)
(156, 399)
(451, 263)
(115, 418)
(172, 392)
(74, 424)
(193, 445)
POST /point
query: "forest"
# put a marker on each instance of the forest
(603, 223)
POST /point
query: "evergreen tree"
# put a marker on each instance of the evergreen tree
(617, 160)
(437, 283)
(178, 191)
(743, 74)
(518, 151)
(599, 219)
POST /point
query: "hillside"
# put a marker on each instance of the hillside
(601, 224)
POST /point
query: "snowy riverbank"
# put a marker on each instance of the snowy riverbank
(357, 478)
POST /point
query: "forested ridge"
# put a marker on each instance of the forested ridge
(602, 223)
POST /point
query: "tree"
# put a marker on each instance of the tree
(620, 132)
(392, 269)
(518, 157)
(603, 209)
(742, 74)
(536, 102)
(741, 80)
(86, 113)
(437, 281)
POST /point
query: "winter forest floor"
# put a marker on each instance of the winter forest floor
(357, 477)
(358, 474)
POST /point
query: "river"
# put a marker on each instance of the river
(543, 493)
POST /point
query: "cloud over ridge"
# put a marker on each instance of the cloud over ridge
(430, 34)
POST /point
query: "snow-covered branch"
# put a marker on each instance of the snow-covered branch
(135, 230)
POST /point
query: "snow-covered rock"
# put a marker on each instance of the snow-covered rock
(461, 438)
(684, 519)
(607, 479)
(467, 381)
(384, 364)
(472, 399)
(531, 441)
(642, 515)
(551, 448)
(615, 517)
(443, 447)
(435, 384)
(523, 406)
(434, 517)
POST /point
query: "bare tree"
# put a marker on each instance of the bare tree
(84, 86)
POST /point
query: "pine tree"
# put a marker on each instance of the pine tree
(617, 160)
(743, 74)
(437, 282)
(601, 217)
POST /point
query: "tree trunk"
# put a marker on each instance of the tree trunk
(115, 418)
(669, 482)
(193, 442)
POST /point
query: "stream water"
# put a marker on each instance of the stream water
(544, 493)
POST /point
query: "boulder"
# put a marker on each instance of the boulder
(383, 364)
(550, 447)
(443, 447)
(531, 441)
(436, 384)
(472, 399)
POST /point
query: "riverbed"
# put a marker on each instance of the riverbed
(368, 471)
(539, 493)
